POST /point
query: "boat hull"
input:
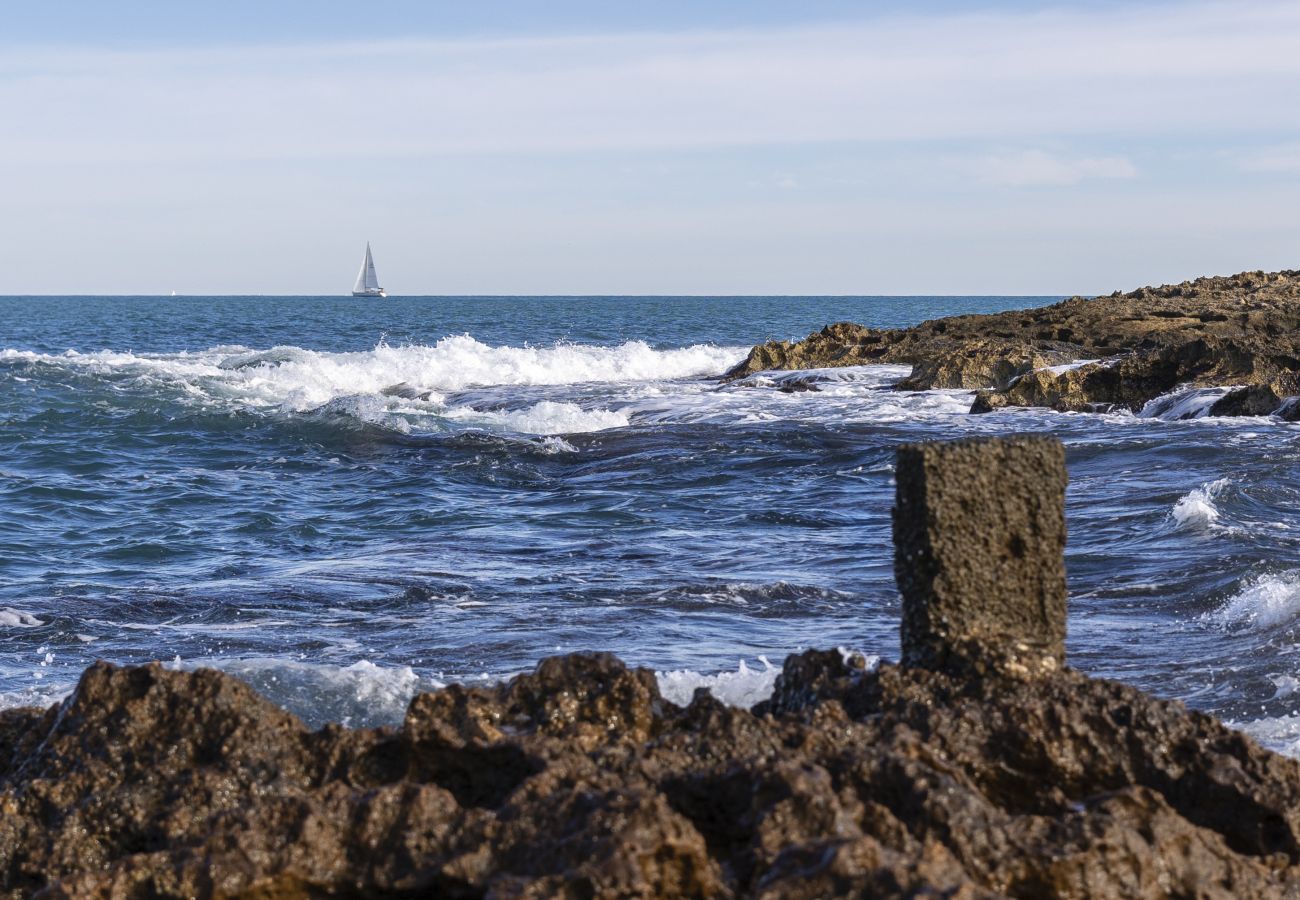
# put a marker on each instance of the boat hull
(369, 294)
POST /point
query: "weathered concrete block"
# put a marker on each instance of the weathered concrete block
(979, 541)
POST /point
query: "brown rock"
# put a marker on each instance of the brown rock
(1241, 330)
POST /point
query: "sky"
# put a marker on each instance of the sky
(566, 147)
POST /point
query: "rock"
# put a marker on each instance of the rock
(982, 363)
(979, 540)
(579, 781)
(1256, 400)
(841, 344)
(1242, 330)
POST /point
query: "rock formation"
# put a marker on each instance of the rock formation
(963, 775)
(1083, 355)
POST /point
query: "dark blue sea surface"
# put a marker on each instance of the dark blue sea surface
(345, 501)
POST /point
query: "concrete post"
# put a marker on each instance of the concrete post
(979, 541)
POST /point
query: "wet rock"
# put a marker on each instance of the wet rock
(841, 344)
(1256, 400)
(1242, 330)
(979, 537)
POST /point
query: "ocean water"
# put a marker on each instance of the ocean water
(347, 501)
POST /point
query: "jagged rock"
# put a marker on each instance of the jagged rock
(848, 782)
(1241, 330)
(983, 363)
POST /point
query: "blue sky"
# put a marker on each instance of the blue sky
(574, 147)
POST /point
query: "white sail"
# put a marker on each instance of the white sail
(367, 280)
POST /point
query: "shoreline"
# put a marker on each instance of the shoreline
(1122, 351)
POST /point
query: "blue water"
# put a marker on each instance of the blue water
(346, 501)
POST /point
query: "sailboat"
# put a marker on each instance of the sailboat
(367, 281)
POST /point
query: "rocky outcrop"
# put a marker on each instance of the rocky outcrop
(578, 780)
(1239, 331)
(962, 774)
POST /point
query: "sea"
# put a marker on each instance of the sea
(346, 502)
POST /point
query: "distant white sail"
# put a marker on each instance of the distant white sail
(367, 281)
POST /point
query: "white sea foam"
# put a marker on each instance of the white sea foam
(1286, 685)
(552, 445)
(1196, 510)
(16, 618)
(1278, 733)
(545, 417)
(1069, 367)
(407, 386)
(1263, 602)
(1187, 403)
(40, 694)
(743, 687)
(359, 694)
(297, 379)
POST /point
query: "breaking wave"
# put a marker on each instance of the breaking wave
(294, 378)
(1263, 602)
(399, 387)
(16, 618)
(743, 687)
(1196, 510)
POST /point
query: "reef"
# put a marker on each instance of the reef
(980, 766)
(1087, 355)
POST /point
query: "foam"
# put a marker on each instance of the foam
(743, 687)
(553, 445)
(406, 387)
(1188, 403)
(357, 695)
(547, 417)
(1286, 685)
(16, 618)
(1196, 509)
(1069, 367)
(296, 379)
(40, 695)
(1280, 733)
(1264, 602)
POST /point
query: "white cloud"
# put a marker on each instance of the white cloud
(1284, 158)
(1187, 68)
(1032, 168)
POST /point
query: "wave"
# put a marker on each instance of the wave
(1263, 602)
(400, 387)
(16, 618)
(297, 379)
(547, 417)
(362, 694)
(743, 687)
(1196, 509)
(1188, 403)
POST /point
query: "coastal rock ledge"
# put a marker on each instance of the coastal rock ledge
(579, 780)
(982, 767)
(1089, 355)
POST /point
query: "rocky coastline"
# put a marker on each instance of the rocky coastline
(979, 766)
(1121, 351)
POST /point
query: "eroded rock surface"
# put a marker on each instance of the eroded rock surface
(579, 780)
(1238, 331)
